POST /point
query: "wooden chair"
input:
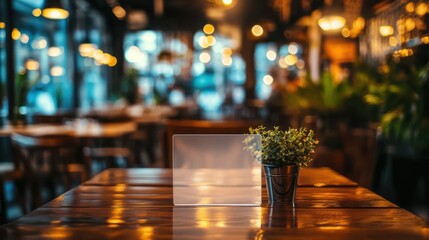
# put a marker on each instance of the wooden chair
(8, 173)
(202, 127)
(48, 162)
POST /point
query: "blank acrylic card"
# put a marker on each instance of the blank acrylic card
(216, 169)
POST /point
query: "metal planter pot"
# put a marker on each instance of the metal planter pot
(281, 183)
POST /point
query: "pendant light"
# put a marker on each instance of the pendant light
(332, 19)
(54, 9)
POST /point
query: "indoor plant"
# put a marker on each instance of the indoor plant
(282, 153)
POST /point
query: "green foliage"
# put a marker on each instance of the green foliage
(402, 97)
(291, 147)
(129, 86)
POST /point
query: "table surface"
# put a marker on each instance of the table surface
(88, 130)
(137, 204)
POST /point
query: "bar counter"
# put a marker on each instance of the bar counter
(137, 204)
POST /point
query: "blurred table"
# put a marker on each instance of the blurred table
(137, 204)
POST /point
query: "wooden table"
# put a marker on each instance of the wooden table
(137, 204)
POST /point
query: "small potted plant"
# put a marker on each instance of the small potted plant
(282, 154)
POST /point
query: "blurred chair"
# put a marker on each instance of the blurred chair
(49, 162)
(9, 173)
(201, 127)
(112, 143)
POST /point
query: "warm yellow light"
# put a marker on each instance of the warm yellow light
(291, 60)
(2, 25)
(113, 62)
(271, 55)
(210, 40)
(202, 41)
(409, 7)
(392, 41)
(24, 38)
(359, 23)
(37, 12)
(292, 48)
(267, 79)
(425, 40)
(16, 34)
(106, 58)
(421, 8)
(282, 63)
(57, 71)
(54, 51)
(410, 24)
(257, 30)
(32, 64)
(227, 61)
(227, 51)
(119, 12)
(227, 2)
(345, 32)
(98, 54)
(205, 57)
(386, 30)
(208, 29)
(331, 23)
(87, 49)
(42, 43)
(55, 13)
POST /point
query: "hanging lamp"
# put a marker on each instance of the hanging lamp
(54, 9)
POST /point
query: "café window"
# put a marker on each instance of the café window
(94, 59)
(283, 65)
(42, 78)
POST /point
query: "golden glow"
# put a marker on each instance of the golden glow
(227, 2)
(119, 12)
(257, 30)
(422, 8)
(98, 54)
(16, 34)
(268, 80)
(359, 23)
(227, 51)
(2, 25)
(205, 57)
(24, 38)
(145, 232)
(42, 43)
(386, 30)
(405, 52)
(57, 71)
(37, 12)
(292, 48)
(345, 32)
(282, 63)
(87, 49)
(331, 23)
(32, 64)
(202, 41)
(120, 187)
(409, 7)
(106, 58)
(226, 61)
(271, 55)
(425, 40)
(113, 62)
(55, 13)
(54, 51)
(319, 184)
(392, 41)
(410, 24)
(208, 29)
(211, 40)
(291, 60)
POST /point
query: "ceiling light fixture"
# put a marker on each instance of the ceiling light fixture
(332, 19)
(54, 9)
